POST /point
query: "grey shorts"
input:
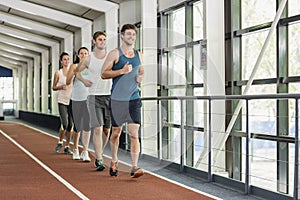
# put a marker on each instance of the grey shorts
(80, 115)
(98, 106)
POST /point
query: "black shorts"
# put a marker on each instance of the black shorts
(125, 111)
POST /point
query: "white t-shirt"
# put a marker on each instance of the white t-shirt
(99, 86)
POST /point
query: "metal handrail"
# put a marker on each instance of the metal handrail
(248, 135)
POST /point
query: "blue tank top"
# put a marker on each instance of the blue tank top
(125, 87)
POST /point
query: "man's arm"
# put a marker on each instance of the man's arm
(86, 82)
(107, 71)
(141, 72)
(84, 63)
(70, 74)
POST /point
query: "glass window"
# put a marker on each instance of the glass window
(294, 88)
(251, 48)
(199, 147)
(176, 66)
(294, 50)
(6, 91)
(256, 12)
(263, 164)
(174, 144)
(262, 113)
(294, 7)
(198, 71)
(199, 108)
(198, 17)
(177, 27)
(6, 88)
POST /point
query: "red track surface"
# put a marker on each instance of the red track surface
(23, 178)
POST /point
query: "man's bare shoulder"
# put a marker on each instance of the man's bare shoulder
(113, 53)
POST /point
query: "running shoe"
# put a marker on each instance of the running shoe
(99, 165)
(113, 169)
(58, 147)
(85, 156)
(68, 150)
(136, 172)
(76, 154)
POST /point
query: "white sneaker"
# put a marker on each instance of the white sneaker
(85, 156)
(76, 154)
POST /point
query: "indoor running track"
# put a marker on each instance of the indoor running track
(30, 169)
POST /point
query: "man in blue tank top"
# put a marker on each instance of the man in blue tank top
(124, 66)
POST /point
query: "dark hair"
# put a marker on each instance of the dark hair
(77, 59)
(127, 27)
(97, 34)
(61, 57)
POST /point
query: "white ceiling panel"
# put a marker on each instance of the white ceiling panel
(53, 20)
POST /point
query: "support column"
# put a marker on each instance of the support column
(15, 89)
(86, 35)
(30, 86)
(36, 84)
(20, 87)
(149, 84)
(44, 92)
(214, 80)
(54, 67)
(24, 86)
(111, 26)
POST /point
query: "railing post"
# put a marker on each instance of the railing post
(209, 142)
(182, 141)
(160, 149)
(247, 170)
(296, 166)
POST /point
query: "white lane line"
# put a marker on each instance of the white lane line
(63, 181)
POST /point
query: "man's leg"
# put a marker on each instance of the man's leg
(114, 142)
(133, 130)
(97, 140)
(105, 136)
(85, 138)
(114, 146)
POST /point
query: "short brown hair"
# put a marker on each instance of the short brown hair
(97, 34)
(127, 27)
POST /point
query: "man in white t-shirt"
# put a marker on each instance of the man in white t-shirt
(99, 96)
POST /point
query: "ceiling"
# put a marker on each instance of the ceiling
(32, 18)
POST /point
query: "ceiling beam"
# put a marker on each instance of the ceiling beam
(99, 5)
(46, 12)
(52, 14)
(67, 36)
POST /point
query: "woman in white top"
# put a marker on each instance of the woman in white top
(79, 108)
(64, 94)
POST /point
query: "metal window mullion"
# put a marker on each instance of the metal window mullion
(209, 142)
(296, 166)
(247, 165)
(182, 134)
